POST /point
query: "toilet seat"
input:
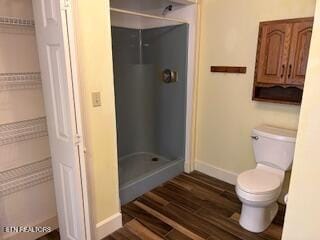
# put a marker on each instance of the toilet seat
(259, 182)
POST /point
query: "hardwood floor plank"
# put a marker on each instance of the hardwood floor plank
(153, 223)
(195, 199)
(196, 182)
(199, 222)
(207, 195)
(128, 234)
(176, 235)
(279, 219)
(180, 199)
(213, 181)
(190, 206)
(118, 236)
(227, 224)
(54, 235)
(231, 196)
(157, 198)
(109, 238)
(143, 232)
(273, 232)
(159, 213)
(126, 218)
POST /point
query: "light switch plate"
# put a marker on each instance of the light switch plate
(96, 99)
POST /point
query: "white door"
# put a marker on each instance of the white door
(63, 118)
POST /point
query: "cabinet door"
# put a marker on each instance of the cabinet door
(273, 52)
(299, 53)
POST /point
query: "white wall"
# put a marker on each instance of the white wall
(226, 114)
(93, 41)
(303, 210)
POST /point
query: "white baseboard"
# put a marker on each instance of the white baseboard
(108, 226)
(187, 168)
(51, 222)
(219, 173)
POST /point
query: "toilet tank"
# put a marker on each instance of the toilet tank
(274, 146)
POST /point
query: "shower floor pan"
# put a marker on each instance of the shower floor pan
(141, 172)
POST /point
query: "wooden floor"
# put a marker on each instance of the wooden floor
(51, 236)
(191, 206)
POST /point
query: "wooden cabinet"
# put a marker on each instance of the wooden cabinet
(274, 51)
(282, 57)
(299, 54)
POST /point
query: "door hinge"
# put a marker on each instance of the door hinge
(77, 139)
(66, 4)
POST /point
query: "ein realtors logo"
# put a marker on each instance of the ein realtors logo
(26, 229)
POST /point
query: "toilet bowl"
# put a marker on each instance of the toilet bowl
(258, 189)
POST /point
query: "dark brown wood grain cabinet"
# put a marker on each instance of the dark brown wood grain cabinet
(282, 57)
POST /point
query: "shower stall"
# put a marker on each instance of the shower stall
(150, 77)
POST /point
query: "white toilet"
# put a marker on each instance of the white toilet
(258, 189)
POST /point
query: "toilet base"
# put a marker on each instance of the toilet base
(257, 219)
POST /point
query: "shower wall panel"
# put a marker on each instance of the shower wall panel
(166, 48)
(151, 115)
(134, 90)
(136, 112)
(125, 46)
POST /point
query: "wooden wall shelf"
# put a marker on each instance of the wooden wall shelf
(226, 69)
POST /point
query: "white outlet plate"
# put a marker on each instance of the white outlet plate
(96, 99)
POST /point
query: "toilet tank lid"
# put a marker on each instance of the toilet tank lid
(280, 134)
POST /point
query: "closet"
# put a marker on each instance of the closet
(26, 181)
(153, 55)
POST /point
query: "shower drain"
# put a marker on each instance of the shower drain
(155, 159)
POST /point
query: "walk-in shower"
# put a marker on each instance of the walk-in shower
(150, 79)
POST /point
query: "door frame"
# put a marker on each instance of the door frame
(192, 86)
(77, 102)
(190, 14)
